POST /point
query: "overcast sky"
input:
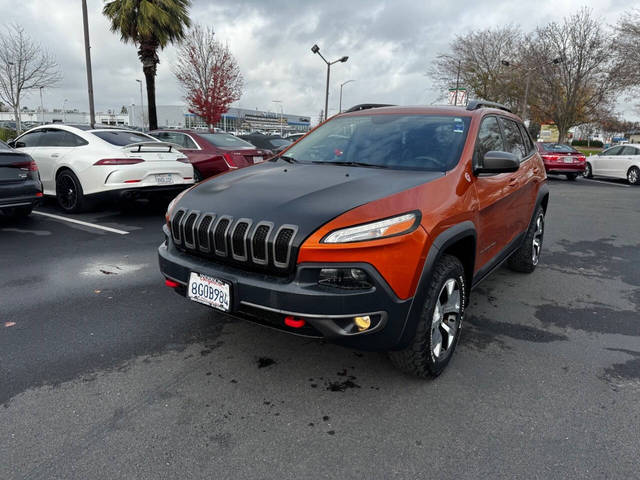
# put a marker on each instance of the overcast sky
(390, 45)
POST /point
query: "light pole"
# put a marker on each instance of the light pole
(342, 85)
(41, 104)
(64, 111)
(528, 72)
(281, 113)
(141, 102)
(87, 56)
(316, 49)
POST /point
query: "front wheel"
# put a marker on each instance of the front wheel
(438, 329)
(69, 192)
(588, 172)
(633, 176)
(526, 258)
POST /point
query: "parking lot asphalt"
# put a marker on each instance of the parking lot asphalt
(105, 373)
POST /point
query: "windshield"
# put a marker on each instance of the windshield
(558, 147)
(225, 140)
(121, 138)
(403, 142)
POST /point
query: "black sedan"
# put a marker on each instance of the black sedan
(268, 142)
(20, 186)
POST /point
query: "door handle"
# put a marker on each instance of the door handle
(513, 182)
(55, 155)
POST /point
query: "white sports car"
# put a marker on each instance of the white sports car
(622, 161)
(78, 164)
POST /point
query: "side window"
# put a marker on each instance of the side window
(528, 143)
(31, 139)
(513, 138)
(612, 151)
(60, 138)
(183, 140)
(628, 151)
(489, 138)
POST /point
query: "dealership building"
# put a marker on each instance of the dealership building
(236, 119)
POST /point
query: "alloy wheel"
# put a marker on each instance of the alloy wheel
(632, 176)
(67, 191)
(587, 171)
(445, 322)
(537, 239)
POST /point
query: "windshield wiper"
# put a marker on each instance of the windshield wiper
(352, 164)
(286, 158)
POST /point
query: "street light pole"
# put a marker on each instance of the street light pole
(87, 54)
(141, 102)
(528, 72)
(281, 113)
(342, 85)
(41, 104)
(316, 49)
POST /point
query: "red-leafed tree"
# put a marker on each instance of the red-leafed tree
(208, 73)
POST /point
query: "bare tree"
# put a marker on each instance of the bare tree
(583, 86)
(627, 48)
(24, 66)
(208, 73)
(477, 58)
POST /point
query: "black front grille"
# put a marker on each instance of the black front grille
(241, 242)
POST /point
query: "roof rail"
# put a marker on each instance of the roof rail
(476, 104)
(367, 106)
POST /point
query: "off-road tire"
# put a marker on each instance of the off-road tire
(418, 359)
(523, 260)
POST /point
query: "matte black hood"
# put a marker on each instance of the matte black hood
(306, 195)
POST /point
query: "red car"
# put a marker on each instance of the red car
(562, 159)
(212, 153)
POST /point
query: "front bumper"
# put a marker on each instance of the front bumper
(328, 312)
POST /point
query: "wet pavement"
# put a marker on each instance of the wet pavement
(105, 373)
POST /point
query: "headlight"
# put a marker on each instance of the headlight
(388, 227)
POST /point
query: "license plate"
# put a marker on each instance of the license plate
(164, 179)
(568, 159)
(257, 159)
(210, 291)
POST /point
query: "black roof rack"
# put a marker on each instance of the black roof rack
(476, 104)
(367, 106)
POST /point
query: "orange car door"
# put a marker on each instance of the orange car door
(496, 225)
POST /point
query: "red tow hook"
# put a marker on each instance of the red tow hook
(293, 322)
(171, 283)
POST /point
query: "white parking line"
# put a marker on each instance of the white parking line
(79, 222)
(607, 183)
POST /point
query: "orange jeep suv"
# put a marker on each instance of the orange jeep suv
(370, 231)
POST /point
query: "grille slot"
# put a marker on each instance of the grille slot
(203, 233)
(188, 230)
(260, 246)
(175, 226)
(282, 245)
(220, 236)
(239, 240)
(259, 243)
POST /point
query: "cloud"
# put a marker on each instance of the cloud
(390, 44)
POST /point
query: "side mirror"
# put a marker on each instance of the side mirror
(498, 162)
(12, 142)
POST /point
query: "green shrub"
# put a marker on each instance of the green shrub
(585, 143)
(7, 134)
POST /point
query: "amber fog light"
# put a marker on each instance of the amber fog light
(362, 323)
(346, 278)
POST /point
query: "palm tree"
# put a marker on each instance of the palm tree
(150, 25)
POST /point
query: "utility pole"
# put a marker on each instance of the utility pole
(455, 101)
(41, 104)
(141, 102)
(87, 54)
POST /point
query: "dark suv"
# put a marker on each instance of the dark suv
(370, 231)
